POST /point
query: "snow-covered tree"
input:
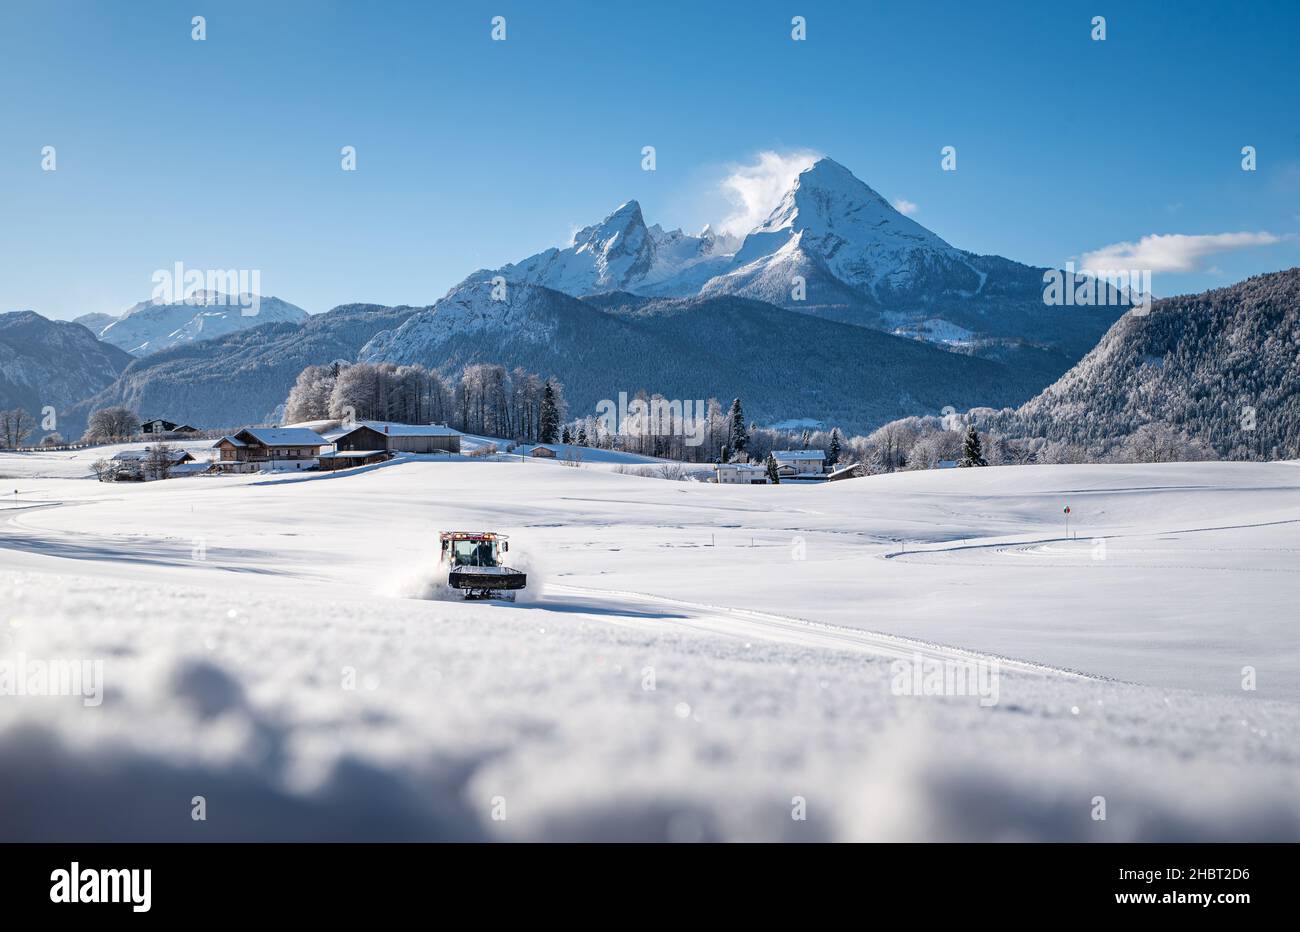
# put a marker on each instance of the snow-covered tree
(550, 419)
(739, 439)
(309, 399)
(773, 475)
(833, 451)
(893, 441)
(972, 454)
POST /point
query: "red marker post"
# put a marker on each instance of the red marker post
(1067, 522)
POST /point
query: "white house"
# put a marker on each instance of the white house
(800, 464)
(740, 474)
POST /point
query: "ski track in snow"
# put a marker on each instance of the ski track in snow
(736, 622)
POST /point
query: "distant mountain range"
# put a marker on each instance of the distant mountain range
(860, 261)
(695, 348)
(676, 313)
(150, 327)
(893, 321)
(242, 377)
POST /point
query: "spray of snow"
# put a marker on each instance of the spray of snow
(754, 190)
(425, 579)
(526, 555)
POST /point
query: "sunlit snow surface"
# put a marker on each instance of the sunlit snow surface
(257, 652)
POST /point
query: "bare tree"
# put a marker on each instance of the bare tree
(159, 460)
(106, 470)
(111, 424)
(16, 425)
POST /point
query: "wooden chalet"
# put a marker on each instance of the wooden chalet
(256, 448)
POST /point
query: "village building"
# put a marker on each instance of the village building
(160, 426)
(134, 464)
(346, 459)
(390, 437)
(544, 451)
(257, 448)
(740, 474)
(800, 465)
(851, 471)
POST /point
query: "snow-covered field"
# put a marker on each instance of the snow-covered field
(703, 661)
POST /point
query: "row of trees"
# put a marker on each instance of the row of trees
(685, 433)
(910, 443)
(925, 442)
(105, 425)
(485, 399)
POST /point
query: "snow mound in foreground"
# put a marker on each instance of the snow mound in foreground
(350, 720)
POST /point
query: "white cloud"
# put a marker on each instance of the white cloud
(755, 189)
(1171, 252)
(904, 206)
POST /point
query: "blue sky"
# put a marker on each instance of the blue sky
(471, 153)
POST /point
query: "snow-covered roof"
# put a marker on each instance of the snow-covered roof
(285, 436)
(234, 441)
(799, 454)
(530, 447)
(139, 455)
(394, 429)
(743, 467)
(852, 467)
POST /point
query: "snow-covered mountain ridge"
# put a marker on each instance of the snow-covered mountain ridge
(149, 327)
(832, 247)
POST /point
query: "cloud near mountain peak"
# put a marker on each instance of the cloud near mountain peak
(755, 188)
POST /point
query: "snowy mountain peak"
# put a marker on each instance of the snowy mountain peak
(625, 223)
(622, 254)
(833, 227)
(151, 326)
(828, 197)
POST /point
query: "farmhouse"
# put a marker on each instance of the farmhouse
(160, 426)
(255, 448)
(800, 464)
(740, 474)
(134, 464)
(389, 437)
